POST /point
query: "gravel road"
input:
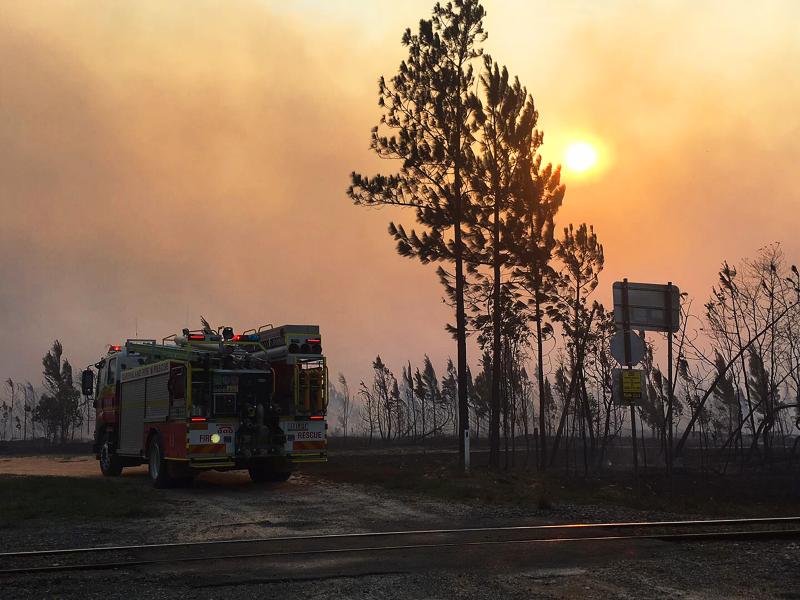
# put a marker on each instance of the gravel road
(227, 505)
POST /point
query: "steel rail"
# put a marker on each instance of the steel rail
(668, 537)
(549, 527)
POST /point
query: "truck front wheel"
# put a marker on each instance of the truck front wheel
(157, 466)
(110, 463)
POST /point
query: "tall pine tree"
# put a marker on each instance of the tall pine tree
(582, 258)
(428, 110)
(532, 244)
(506, 133)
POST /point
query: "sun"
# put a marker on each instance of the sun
(580, 156)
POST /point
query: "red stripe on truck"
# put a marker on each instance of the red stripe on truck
(308, 445)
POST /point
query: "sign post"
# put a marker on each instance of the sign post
(668, 305)
(626, 333)
(466, 451)
(653, 307)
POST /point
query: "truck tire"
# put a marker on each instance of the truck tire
(110, 463)
(157, 466)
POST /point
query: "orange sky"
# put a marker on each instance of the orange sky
(159, 160)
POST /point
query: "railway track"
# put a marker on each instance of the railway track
(288, 547)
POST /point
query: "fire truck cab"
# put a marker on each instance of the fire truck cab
(203, 401)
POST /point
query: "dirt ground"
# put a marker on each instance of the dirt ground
(74, 466)
(227, 506)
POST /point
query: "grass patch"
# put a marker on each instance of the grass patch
(434, 475)
(44, 497)
(710, 494)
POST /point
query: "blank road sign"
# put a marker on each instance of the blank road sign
(647, 306)
(618, 347)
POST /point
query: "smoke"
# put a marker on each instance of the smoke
(159, 161)
(692, 106)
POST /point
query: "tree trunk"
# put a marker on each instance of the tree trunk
(461, 335)
(572, 387)
(540, 374)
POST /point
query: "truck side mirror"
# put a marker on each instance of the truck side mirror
(87, 382)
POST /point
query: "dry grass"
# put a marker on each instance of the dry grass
(43, 497)
(434, 474)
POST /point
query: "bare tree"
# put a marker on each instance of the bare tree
(58, 409)
(429, 107)
(346, 405)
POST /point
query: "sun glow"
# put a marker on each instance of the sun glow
(580, 156)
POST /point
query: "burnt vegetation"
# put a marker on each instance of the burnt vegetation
(54, 413)
(735, 394)
(464, 135)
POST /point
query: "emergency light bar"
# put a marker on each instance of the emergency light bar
(194, 337)
(246, 338)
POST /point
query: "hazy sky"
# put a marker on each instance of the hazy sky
(160, 160)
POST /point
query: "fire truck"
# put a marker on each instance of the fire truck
(211, 400)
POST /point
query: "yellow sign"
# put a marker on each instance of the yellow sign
(631, 385)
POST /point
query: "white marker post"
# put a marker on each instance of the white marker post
(466, 451)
